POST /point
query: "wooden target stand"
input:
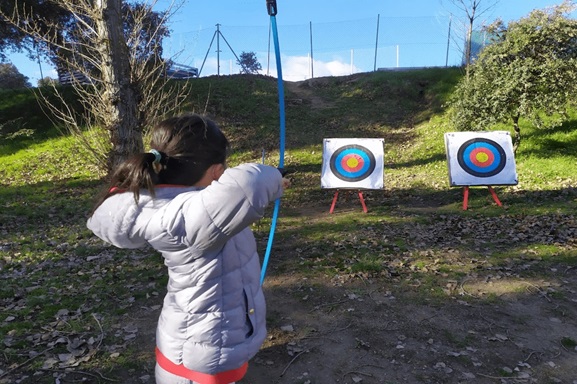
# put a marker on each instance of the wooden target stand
(361, 198)
(466, 197)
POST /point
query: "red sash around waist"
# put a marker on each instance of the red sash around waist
(199, 377)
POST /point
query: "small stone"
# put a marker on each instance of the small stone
(440, 365)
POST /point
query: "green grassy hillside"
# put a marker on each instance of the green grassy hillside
(404, 108)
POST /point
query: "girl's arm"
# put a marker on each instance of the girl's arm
(232, 203)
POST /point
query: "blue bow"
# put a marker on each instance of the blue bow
(272, 10)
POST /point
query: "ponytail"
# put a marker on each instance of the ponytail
(138, 172)
(184, 147)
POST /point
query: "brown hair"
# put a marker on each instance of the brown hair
(187, 146)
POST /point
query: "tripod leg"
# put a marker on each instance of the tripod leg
(334, 201)
(210, 46)
(363, 202)
(492, 191)
(465, 198)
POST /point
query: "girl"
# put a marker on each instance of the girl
(181, 199)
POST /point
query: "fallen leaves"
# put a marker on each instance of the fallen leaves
(62, 311)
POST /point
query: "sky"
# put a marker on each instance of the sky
(342, 33)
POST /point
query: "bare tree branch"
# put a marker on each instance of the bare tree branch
(473, 10)
(122, 90)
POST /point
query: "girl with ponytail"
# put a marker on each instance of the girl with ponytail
(181, 199)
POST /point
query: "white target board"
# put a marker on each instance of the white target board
(352, 164)
(480, 158)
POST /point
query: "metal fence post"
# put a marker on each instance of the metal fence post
(377, 41)
(312, 57)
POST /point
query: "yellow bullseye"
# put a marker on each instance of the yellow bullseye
(352, 162)
(482, 157)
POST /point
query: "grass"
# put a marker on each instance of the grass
(568, 342)
(415, 235)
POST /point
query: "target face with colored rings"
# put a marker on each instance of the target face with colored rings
(481, 157)
(352, 162)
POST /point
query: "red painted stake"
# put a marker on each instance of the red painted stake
(492, 191)
(334, 201)
(363, 202)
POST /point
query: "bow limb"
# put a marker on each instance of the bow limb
(272, 10)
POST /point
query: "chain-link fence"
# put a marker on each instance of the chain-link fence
(324, 49)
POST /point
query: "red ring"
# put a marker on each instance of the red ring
(474, 160)
(359, 166)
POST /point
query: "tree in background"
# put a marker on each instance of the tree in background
(48, 82)
(11, 78)
(145, 30)
(115, 49)
(472, 10)
(249, 63)
(44, 14)
(530, 70)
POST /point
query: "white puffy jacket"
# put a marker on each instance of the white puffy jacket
(213, 317)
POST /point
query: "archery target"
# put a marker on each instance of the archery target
(480, 158)
(352, 163)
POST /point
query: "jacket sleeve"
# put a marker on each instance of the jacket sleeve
(229, 205)
(114, 221)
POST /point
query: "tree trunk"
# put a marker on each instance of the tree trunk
(468, 47)
(517, 137)
(120, 97)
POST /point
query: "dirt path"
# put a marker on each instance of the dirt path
(301, 93)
